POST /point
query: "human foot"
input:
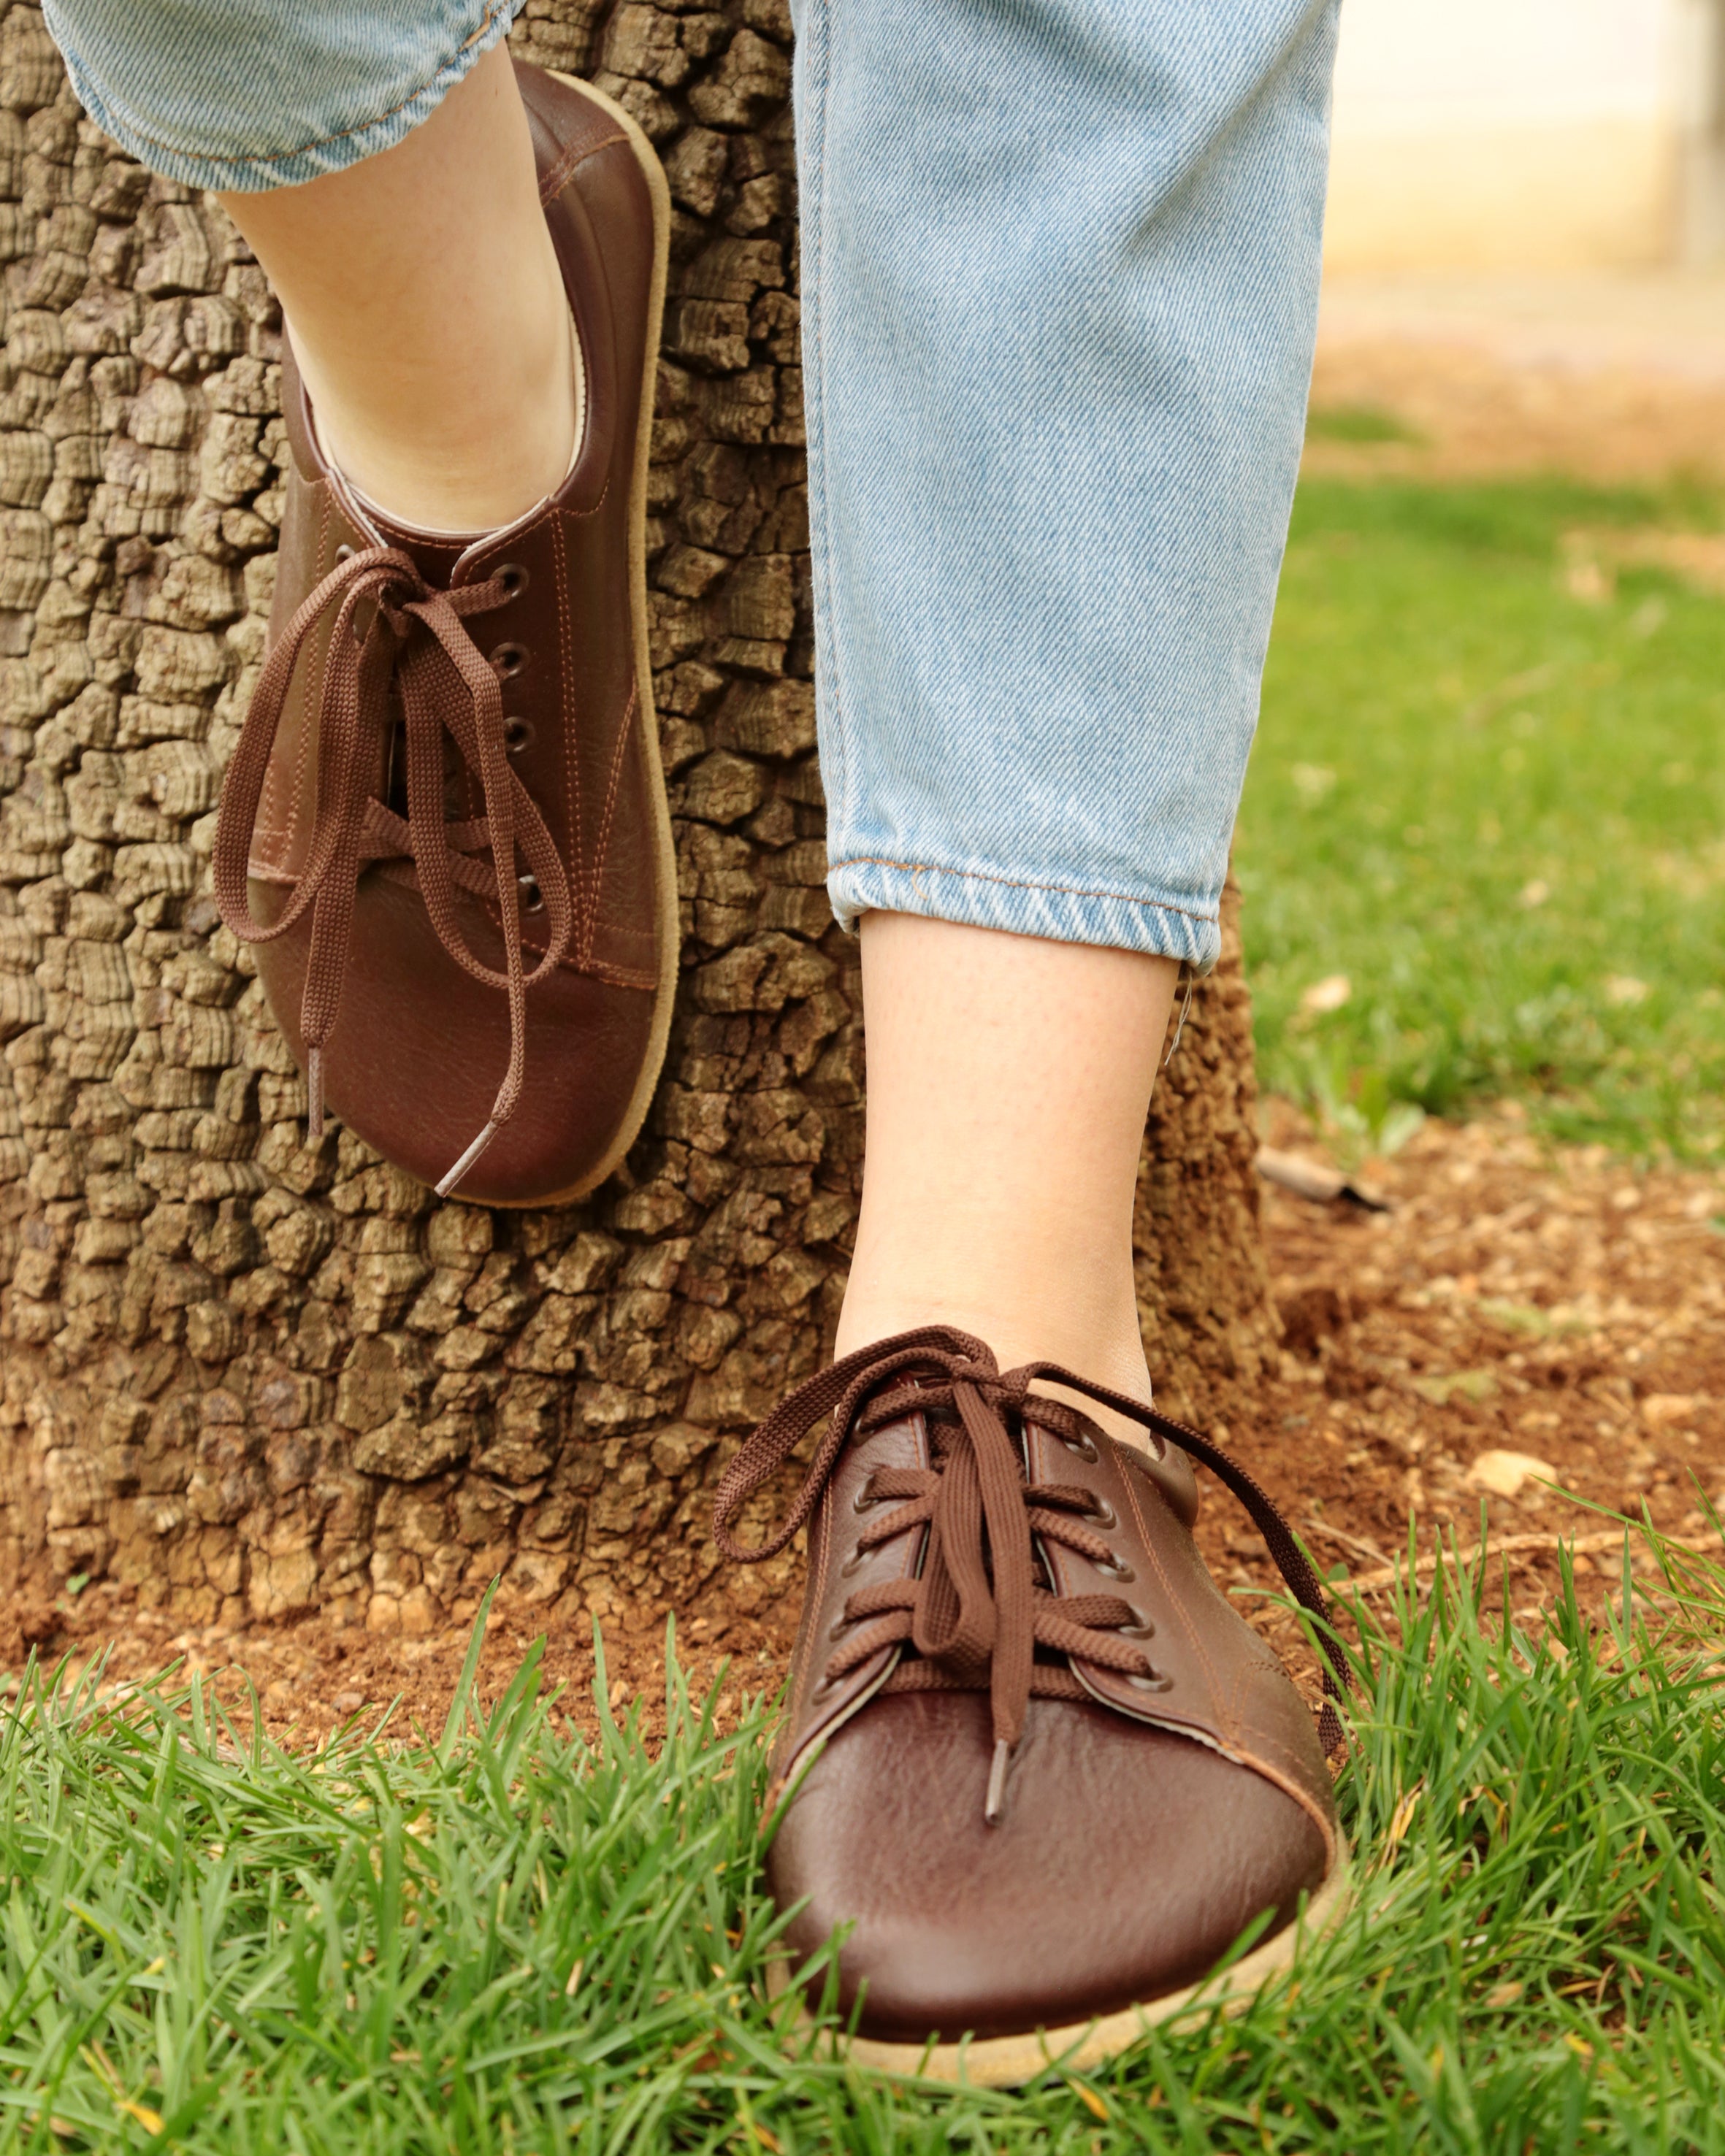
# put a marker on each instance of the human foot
(1009, 1079)
(1049, 1777)
(426, 305)
(531, 425)
(448, 835)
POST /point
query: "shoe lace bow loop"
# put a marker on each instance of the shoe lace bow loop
(395, 638)
(976, 1611)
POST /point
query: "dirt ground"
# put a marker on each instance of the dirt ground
(1613, 378)
(1518, 1315)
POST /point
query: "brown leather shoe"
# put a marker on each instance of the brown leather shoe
(1039, 1765)
(444, 825)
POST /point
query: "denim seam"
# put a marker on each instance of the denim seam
(835, 763)
(1017, 883)
(509, 7)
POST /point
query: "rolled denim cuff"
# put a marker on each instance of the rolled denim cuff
(243, 95)
(977, 898)
(1060, 278)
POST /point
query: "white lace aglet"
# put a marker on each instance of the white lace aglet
(314, 1094)
(994, 1803)
(467, 1159)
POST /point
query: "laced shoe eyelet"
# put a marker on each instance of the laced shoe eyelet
(513, 579)
(1139, 1628)
(827, 1684)
(509, 660)
(518, 734)
(1115, 1568)
(1154, 1682)
(344, 553)
(853, 1564)
(1102, 1514)
(1082, 1446)
(865, 1500)
(533, 898)
(840, 1625)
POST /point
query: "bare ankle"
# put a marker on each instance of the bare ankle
(428, 312)
(1018, 1327)
(460, 455)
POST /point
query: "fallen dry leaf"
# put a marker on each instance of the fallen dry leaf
(1329, 994)
(1502, 1474)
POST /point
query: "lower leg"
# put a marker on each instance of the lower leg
(1008, 1082)
(428, 314)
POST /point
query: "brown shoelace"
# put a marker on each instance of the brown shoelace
(976, 1613)
(393, 631)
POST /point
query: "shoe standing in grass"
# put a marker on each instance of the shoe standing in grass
(1042, 1768)
(1060, 272)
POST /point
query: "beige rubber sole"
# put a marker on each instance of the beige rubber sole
(669, 933)
(1005, 2061)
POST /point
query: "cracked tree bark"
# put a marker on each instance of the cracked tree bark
(251, 1377)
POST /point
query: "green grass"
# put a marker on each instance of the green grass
(1497, 809)
(1358, 423)
(372, 1949)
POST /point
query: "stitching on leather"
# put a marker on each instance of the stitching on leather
(1294, 1764)
(590, 969)
(868, 1675)
(546, 510)
(600, 500)
(816, 1592)
(631, 711)
(311, 696)
(270, 832)
(1234, 1706)
(612, 931)
(1292, 1785)
(1175, 1598)
(559, 175)
(571, 738)
(1016, 883)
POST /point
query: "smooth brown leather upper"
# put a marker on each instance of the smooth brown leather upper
(420, 1046)
(1143, 1828)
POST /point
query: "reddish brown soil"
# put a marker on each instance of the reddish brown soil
(1560, 1306)
(1557, 1305)
(1476, 415)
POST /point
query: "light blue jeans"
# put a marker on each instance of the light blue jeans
(1060, 285)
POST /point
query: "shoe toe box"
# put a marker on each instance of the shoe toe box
(419, 1049)
(1128, 1860)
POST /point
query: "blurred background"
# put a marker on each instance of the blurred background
(1483, 846)
(1526, 135)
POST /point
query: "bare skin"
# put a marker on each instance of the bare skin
(1008, 1082)
(428, 314)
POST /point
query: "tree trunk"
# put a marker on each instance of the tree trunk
(252, 1377)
